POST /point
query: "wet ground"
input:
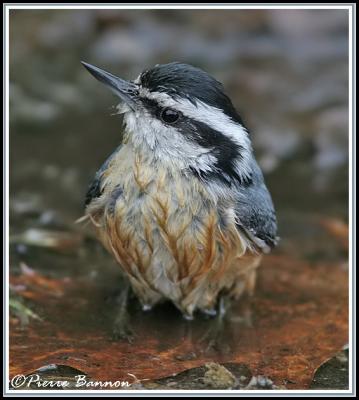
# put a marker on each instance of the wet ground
(286, 72)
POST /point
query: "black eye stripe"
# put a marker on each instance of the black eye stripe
(223, 148)
(150, 104)
(165, 114)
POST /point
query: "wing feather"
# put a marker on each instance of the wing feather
(94, 189)
(255, 213)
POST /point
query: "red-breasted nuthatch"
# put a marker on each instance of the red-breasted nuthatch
(181, 203)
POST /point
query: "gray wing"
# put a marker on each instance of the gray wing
(94, 189)
(255, 213)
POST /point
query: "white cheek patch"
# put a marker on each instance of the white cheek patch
(170, 146)
(214, 118)
(166, 144)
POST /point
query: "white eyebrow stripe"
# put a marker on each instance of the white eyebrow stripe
(211, 116)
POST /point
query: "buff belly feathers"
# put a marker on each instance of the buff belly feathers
(169, 234)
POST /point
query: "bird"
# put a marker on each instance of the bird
(181, 203)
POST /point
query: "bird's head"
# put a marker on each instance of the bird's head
(181, 115)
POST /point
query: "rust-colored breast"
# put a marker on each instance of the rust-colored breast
(164, 230)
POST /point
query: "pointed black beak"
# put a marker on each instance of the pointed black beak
(127, 91)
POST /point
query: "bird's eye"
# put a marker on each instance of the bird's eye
(169, 116)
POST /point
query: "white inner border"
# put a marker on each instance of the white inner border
(350, 8)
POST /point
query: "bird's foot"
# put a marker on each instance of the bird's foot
(122, 329)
